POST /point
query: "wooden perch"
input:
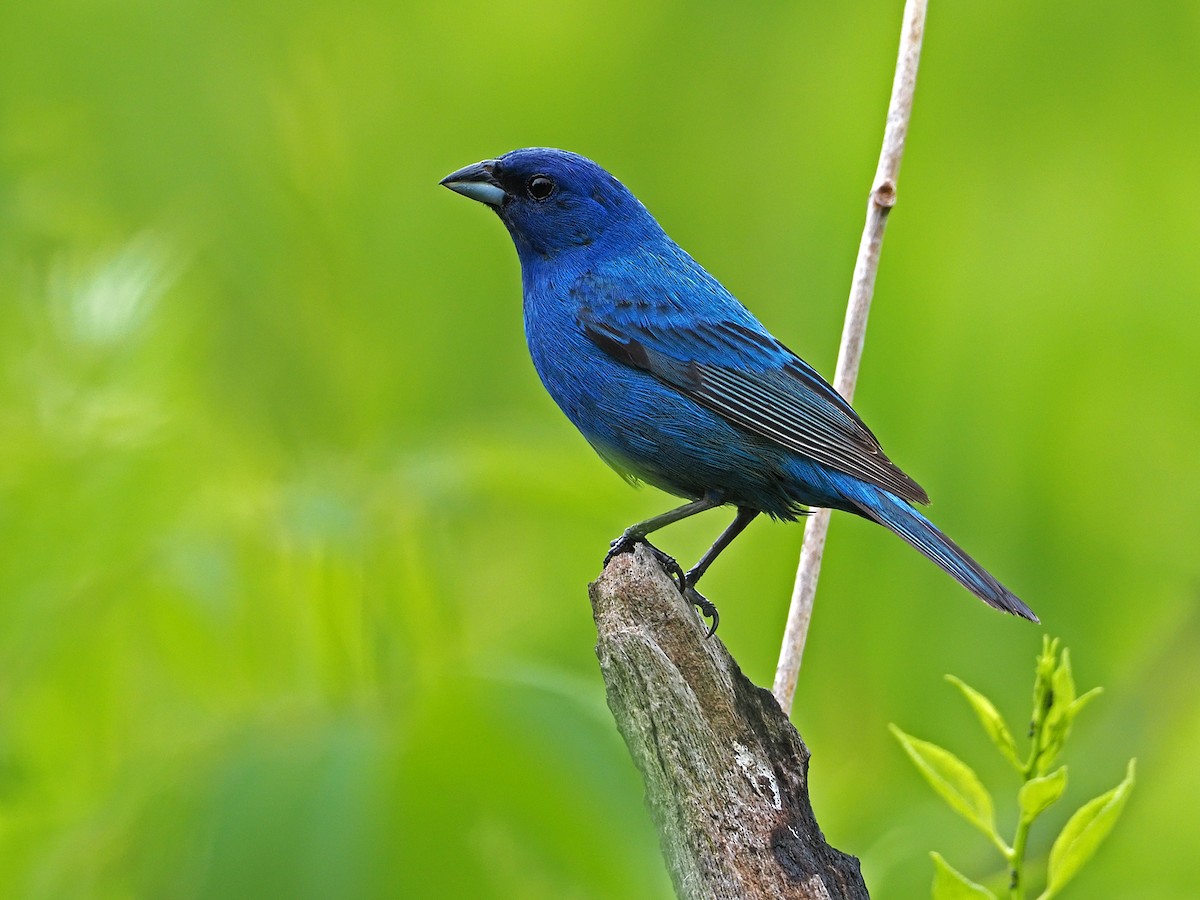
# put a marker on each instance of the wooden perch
(726, 773)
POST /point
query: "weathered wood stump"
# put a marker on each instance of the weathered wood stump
(726, 772)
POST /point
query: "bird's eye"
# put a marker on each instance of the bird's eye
(540, 187)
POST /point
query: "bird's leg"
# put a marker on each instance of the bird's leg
(636, 534)
(744, 517)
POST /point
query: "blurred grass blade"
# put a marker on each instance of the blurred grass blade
(951, 884)
(1084, 832)
(991, 720)
(955, 782)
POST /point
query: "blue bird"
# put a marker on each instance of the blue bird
(673, 382)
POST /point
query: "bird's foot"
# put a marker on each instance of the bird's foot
(625, 544)
(707, 608)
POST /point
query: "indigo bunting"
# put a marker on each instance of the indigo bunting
(675, 383)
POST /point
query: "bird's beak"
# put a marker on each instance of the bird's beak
(477, 182)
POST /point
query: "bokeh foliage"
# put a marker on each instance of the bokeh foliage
(293, 547)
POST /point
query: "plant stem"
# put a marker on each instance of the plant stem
(1017, 862)
(882, 199)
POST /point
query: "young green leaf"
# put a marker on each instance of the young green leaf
(1083, 700)
(956, 782)
(1056, 725)
(1063, 682)
(950, 884)
(1083, 833)
(991, 720)
(1042, 695)
(1037, 794)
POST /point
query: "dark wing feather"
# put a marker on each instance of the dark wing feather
(774, 393)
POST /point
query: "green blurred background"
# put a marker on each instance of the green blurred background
(293, 547)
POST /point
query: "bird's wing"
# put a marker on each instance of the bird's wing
(731, 365)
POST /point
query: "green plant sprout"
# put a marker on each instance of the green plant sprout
(1055, 707)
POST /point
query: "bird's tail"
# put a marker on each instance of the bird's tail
(901, 518)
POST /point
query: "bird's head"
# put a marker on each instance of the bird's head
(552, 201)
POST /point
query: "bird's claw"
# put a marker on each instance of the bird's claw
(707, 608)
(670, 566)
(625, 544)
